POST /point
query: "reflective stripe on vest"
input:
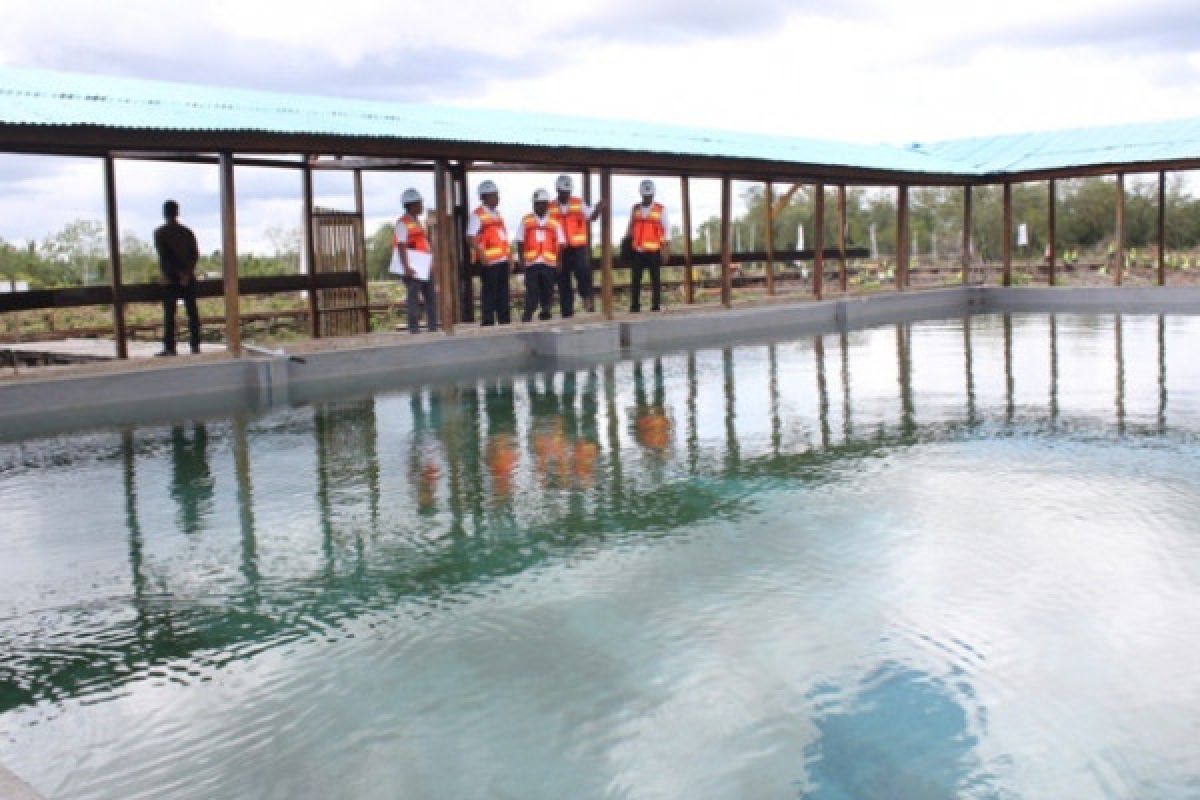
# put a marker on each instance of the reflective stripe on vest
(541, 241)
(417, 239)
(648, 230)
(574, 222)
(492, 236)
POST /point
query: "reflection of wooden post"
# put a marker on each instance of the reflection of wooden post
(114, 255)
(1007, 233)
(310, 253)
(689, 288)
(843, 277)
(966, 234)
(606, 255)
(726, 242)
(901, 237)
(1162, 229)
(819, 241)
(770, 197)
(229, 265)
(444, 264)
(1051, 231)
(1120, 234)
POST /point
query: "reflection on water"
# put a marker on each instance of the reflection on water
(787, 508)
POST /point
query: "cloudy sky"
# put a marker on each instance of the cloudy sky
(860, 70)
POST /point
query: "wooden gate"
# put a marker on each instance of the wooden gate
(340, 247)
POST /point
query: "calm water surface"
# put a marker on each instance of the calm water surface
(943, 560)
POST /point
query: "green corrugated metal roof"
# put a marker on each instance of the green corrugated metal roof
(41, 97)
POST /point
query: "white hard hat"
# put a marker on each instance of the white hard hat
(410, 196)
(646, 187)
(564, 184)
(541, 196)
(488, 187)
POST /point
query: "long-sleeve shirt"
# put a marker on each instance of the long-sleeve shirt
(177, 250)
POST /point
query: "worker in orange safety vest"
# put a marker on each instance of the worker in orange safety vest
(648, 232)
(488, 238)
(540, 242)
(575, 217)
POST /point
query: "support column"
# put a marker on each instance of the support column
(1118, 276)
(114, 256)
(445, 280)
(310, 253)
(1162, 228)
(843, 274)
(689, 287)
(819, 241)
(726, 242)
(1007, 244)
(769, 194)
(359, 209)
(901, 237)
(1052, 231)
(229, 257)
(606, 255)
(465, 301)
(966, 234)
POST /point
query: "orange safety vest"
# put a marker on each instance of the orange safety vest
(417, 238)
(492, 236)
(573, 221)
(648, 231)
(541, 240)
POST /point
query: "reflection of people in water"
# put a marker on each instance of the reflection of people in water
(652, 424)
(501, 451)
(425, 459)
(191, 480)
(581, 429)
(548, 432)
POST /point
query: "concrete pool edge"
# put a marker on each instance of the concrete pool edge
(13, 788)
(41, 403)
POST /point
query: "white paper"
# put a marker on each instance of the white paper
(419, 262)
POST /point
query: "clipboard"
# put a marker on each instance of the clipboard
(419, 262)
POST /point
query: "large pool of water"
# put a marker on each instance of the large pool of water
(941, 560)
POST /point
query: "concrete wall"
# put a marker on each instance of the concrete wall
(1131, 300)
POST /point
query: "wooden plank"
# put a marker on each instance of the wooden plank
(233, 332)
(1007, 234)
(966, 234)
(901, 237)
(769, 205)
(1162, 229)
(310, 252)
(444, 263)
(1119, 234)
(114, 256)
(844, 278)
(726, 242)
(606, 256)
(1052, 230)
(819, 241)
(685, 192)
(359, 209)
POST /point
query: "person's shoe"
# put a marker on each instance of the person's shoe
(486, 323)
(635, 310)
(196, 350)
(590, 304)
(164, 353)
(545, 315)
(565, 315)
(656, 308)
(526, 317)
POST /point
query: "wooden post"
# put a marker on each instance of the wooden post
(310, 253)
(685, 192)
(114, 255)
(1162, 228)
(819, 242)
(966, 234)
(770, 238)
(444, 263)
(359, 209)
(229, 257)
(1052, 231)
(1007, 234)
(465, 301)
(1120, 232)
(358, 192)
(606, 255)
(901, 237)
(726, 242)
(843, 275)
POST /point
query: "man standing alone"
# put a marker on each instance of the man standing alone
(573, 216)
(648, 228)
(413, 254)
(177, 257)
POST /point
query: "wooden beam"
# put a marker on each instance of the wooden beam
(359, 209)
(229, 257)
(446, 277)
(966, 235)
(114, 256)
(787, 196)
(1052, 230)
(901, 237)
(310, 253)
(819, 241)
(606, 255)
(726, 242)
(1162, 229)
(843, 276)
(685, 192)
(769, 205)
(1118, 276)
(465, 302)
(1007, 240)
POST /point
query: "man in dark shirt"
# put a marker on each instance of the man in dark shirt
(177, 257)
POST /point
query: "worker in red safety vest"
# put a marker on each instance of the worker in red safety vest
(648, 232)
(488, 239)
(575, 218)
(412, 257)
(540, 242)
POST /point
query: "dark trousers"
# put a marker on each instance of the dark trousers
(577, 267)
(652, 262)
(418, 290)
(539, 290)
(496, 304)
(172, 292)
